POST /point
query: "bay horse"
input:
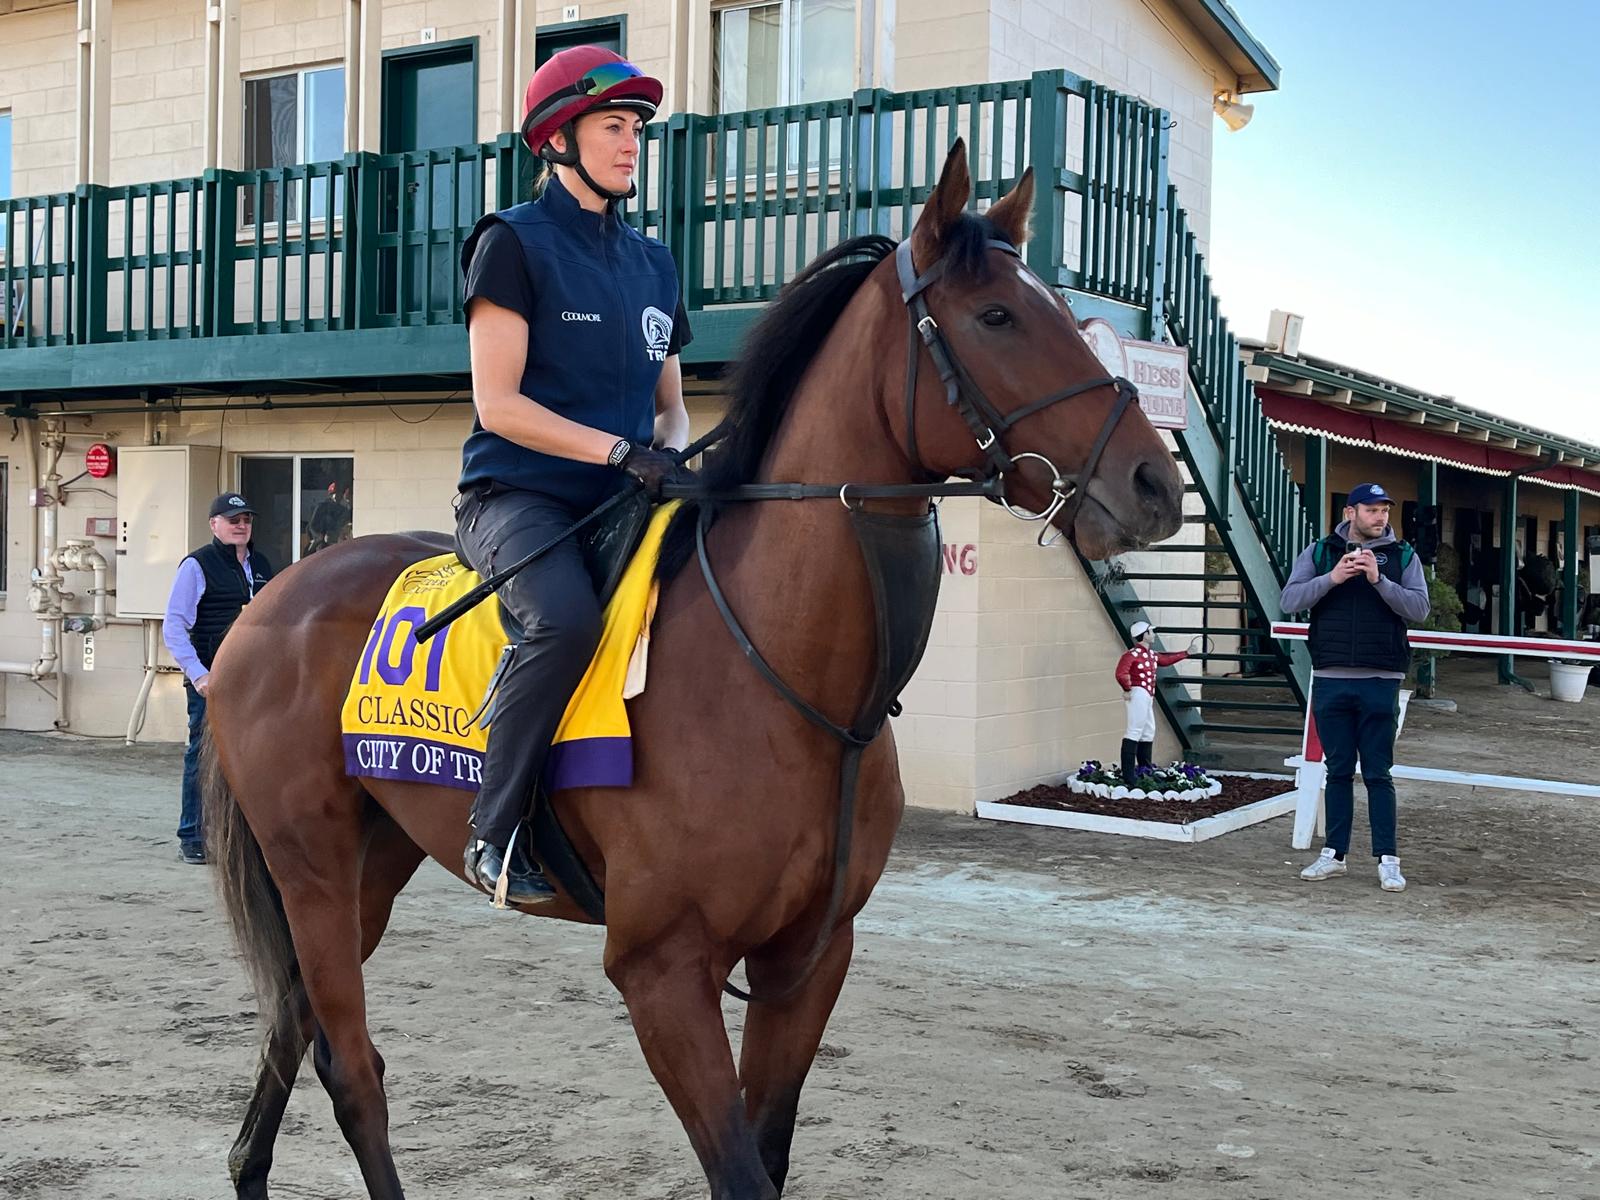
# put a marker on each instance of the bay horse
(723, 851)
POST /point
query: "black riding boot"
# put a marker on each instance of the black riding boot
(1145, 750)
(1129, 749)
(525, 881)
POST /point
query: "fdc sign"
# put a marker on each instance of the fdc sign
(1159, 371)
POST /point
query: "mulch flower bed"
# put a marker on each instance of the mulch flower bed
(1237, 791)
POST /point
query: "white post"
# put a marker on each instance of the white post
(1309, 778)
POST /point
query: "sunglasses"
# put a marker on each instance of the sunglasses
(242, 519)
(598, 81)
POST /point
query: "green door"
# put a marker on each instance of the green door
(555, 38)
(430, 103)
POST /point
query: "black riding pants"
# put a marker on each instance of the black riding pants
(555, 602)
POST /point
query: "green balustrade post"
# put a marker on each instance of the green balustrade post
(675, 193)
(222, 222)
(694, 209)
(1160, 227)
(1571, 552)
(93, 216)
(1317, 483)
(1046, 154)
(1508, 575)
(362, 226)
(873, 161)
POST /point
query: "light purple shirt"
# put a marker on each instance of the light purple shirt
(182, 605)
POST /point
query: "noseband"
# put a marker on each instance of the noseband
(987, 423)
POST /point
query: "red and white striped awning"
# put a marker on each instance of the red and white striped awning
(1299, 414)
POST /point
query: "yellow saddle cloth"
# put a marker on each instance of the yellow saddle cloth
(420, 713)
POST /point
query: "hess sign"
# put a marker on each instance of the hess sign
(1159, 371)
(100, 460)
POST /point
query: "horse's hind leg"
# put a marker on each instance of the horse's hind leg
(781, 1040)
(674, 997)
(388, 861)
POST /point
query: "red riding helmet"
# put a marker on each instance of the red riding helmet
(580, 80)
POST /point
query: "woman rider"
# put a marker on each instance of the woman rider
(574, 324)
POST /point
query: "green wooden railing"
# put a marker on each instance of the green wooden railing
(743, 200)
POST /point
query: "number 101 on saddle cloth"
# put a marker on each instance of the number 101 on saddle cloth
(421, 713)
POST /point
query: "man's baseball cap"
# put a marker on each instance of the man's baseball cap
(1368, 493)
(230, 504)
(1139, 628)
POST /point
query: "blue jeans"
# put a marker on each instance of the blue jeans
(1356, 719)
(189, 831)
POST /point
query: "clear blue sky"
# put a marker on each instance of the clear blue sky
(1424, 188)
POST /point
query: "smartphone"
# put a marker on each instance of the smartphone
(1351, 547)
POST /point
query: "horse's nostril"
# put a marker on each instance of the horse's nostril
(1151, 484)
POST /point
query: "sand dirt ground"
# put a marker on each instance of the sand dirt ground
(1032, 1013)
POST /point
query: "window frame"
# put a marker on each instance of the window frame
(336, 199)
(296, 519)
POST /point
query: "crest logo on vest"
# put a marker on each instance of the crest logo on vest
(657, 333)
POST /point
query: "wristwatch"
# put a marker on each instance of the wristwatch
(619, 452)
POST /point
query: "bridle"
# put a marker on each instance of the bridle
(987, 423)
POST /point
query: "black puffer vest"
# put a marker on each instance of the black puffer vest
(1352, 626)
(226, 594)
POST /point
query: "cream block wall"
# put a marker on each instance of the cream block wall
(38, 86)
(158, 90)
(405, 477)
(1145, 50)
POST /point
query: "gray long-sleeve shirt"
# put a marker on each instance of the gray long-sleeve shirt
(1408, 598)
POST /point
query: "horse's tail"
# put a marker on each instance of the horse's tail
(255, 907)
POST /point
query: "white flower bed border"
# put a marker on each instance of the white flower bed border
(1191, 831)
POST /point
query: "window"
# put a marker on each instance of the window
(292, 119)
(783, 52)
(303, 502)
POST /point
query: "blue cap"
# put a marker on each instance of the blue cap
(1368, 493)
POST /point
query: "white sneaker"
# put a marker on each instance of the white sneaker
(1389, 877)
(1325, 867)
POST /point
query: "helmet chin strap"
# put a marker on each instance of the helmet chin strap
(570, 158)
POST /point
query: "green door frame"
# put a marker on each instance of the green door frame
(567, 29)
(398, 57)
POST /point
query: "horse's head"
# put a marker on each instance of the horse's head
(1013, 350)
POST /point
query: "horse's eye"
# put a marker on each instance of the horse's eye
(995, 317)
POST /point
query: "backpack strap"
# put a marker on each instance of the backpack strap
(1407, 553)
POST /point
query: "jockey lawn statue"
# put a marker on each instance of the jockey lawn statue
(1136, 674)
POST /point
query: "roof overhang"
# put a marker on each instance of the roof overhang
(1251, 62)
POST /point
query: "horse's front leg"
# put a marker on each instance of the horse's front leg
(781, 1040)
(673, 992)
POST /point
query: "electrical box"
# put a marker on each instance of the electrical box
(163, 494)
(1283, 332)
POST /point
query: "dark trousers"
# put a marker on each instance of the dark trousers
(1356, 719)
(189, 828)
(555, 602)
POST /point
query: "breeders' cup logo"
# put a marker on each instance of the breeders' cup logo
(657, 333)
(236, 501)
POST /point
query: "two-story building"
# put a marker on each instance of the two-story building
(230, 246)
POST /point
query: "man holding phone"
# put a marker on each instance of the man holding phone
(1362, 587)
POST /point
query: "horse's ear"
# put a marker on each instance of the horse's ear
(1011, 212)
(945, 206)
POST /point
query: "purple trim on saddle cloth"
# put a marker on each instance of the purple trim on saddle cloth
(589, 762)
(412, 760)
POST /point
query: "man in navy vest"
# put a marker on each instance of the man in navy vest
(1362, 586)
(214, 584)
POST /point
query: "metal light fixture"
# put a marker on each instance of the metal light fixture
(1234, 115)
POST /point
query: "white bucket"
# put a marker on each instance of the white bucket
(1567, 680)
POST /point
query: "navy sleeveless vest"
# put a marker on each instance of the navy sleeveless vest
(1352, 626)
(604, 298)
(225, 596)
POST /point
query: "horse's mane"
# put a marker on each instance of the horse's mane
(781, 345)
